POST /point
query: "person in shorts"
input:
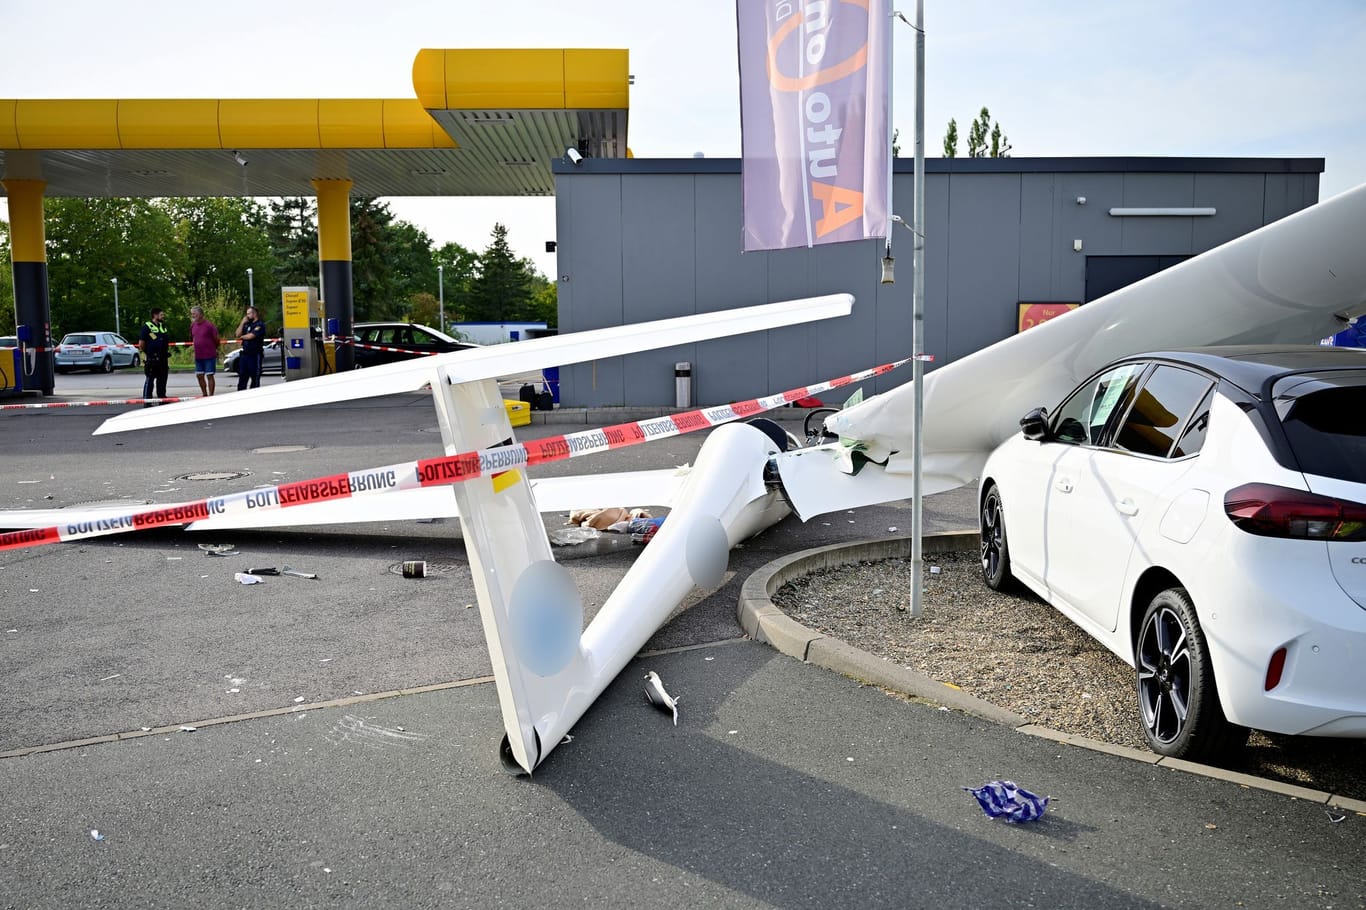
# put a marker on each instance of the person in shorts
(204, 336)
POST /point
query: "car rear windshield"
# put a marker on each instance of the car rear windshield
(79, 339)
(1327, 433)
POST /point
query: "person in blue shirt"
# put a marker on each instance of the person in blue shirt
(155, 343)
(251, 332)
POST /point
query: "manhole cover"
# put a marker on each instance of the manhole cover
(108, 503)
(279, 450)
(213, 475)
(434, 568)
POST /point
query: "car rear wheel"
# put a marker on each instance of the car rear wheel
(107, 365)
(137, 361)
(1177, 698)
(995, 549)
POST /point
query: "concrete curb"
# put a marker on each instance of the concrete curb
(764, 622)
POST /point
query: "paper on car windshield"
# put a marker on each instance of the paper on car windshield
(1114, 388)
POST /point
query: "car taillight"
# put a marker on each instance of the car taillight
(1274, 668)
(1272, 511)
(96, 348)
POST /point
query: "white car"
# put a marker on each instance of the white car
(101, 352)
(1202, 515)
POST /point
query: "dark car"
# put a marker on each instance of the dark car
(272, 361)
(389, 342)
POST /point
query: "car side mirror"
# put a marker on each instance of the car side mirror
(1034, 425)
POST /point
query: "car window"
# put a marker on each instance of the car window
(1082, 418)
(1327, 434)
(1160, 409)
(1193, 437)
(79, 339)
(421, 336)
(118, 339)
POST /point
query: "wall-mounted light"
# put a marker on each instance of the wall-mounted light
(573, 155)
(238, 157)
(1081, 200)
(1076, 245)
(1164, 211)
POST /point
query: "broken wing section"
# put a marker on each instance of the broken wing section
(489, 362)
(1294, 281)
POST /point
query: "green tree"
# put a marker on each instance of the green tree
(7, 313)
(545, 306)
(222, 237)
(292, 235)
(501, 288)
(459, 264)
(982, 130)
(92, 241)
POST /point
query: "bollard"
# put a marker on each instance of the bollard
(683, 384)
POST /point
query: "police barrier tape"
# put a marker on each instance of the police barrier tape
(89, 404)
(428, 472)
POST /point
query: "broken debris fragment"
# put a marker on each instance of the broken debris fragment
(655, 695)
(298, 573)
(1006, 798)
(218, 549)
(247, 578)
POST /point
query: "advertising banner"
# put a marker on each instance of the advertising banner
(813, 121)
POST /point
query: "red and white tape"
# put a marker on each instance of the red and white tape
(88, 404)
(428, 472)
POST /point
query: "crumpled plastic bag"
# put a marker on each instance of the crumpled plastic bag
(1007, 798)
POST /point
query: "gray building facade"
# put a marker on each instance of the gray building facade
(645, 239)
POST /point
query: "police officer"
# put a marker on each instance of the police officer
(154, 342)
(251, 332)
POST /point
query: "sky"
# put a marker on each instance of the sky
(1063, 77)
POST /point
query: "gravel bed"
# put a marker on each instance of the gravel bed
(1017, 652)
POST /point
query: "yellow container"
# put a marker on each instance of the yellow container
(519, 412)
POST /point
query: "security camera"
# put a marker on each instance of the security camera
(574, 157)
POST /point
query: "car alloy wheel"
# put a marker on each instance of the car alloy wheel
(1177, 698)
(107, 365)
(995, 550)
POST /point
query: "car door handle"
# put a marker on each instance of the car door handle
(1063, 484)
(1127, 507)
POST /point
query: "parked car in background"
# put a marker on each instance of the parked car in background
(272, 359)
(99, 351)
(406, 339)
(1203, 515)
(9, 341)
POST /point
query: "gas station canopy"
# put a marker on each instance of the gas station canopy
(483, 123)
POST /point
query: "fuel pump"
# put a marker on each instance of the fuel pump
(303, 313)
(13, 361)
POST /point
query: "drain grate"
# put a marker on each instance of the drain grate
(213, 475)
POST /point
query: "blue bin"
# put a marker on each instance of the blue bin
(551, 375)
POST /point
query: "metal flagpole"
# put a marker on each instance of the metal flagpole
(918, 311)
(917, 228)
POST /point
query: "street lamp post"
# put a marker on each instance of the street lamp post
(251, 291)
(441, 295)
(117, 330)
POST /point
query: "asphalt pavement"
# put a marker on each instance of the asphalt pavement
(173, 738)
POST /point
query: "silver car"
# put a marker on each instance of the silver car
(97, 351)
